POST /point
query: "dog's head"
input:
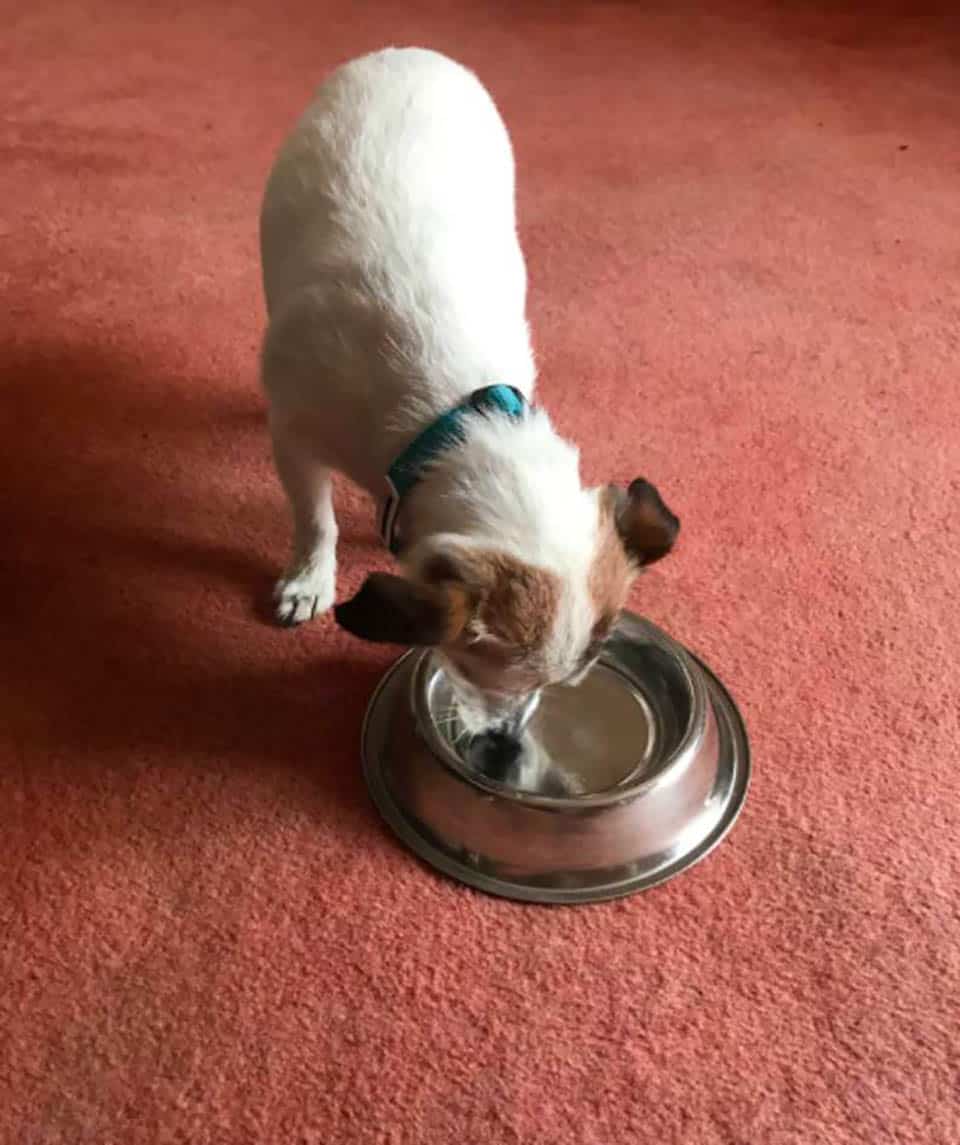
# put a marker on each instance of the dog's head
(507, 628)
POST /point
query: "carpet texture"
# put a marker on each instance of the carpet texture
(742, 222)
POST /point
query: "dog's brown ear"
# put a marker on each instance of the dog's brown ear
(646, 526)
(394, 610)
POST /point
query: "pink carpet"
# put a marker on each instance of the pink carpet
(742, 221)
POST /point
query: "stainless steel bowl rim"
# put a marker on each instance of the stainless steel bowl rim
(630, 877)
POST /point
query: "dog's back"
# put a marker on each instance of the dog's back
(389, 219)
(401, 156)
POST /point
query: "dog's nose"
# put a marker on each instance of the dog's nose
(494, 753)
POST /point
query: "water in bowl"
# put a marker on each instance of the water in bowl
(580, 740)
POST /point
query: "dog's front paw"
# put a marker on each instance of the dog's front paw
(302, 595)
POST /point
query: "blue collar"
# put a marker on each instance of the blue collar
(446, 431)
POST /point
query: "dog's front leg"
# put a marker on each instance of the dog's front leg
(308, 586)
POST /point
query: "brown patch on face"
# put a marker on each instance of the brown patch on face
(502, 596)
(521, 603)
(612, 571)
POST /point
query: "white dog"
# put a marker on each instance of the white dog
(398, 353)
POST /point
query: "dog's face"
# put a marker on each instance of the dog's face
(507, 628)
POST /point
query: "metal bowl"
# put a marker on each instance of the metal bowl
(625, 780)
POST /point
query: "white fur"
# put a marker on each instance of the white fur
(395, 287)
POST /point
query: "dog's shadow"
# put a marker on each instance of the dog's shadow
(140, 524)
